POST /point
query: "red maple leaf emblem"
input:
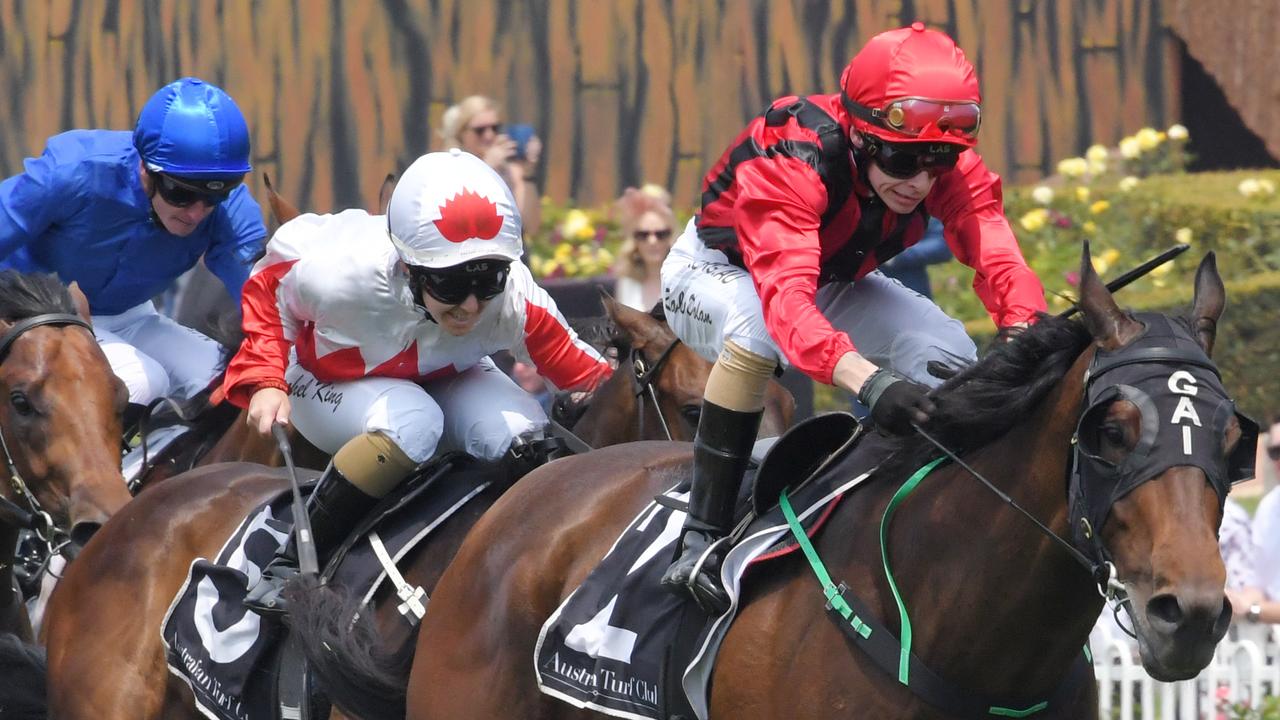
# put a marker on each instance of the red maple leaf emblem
(468, 215)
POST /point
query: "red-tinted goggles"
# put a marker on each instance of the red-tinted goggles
(485, 279)
(181, 193)
(921, 116)
(906, 160)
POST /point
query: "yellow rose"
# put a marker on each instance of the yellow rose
(574, 222)
(1089, 227)
(1129, 148)
(1162, 270)
(1178, 132)
(1266, 187)
(1183, 235)
(1249, 187)
(1101, 265)
(1043, 194)
(1073, 167)
(1099, 207)
(1128, 183)
(570, 268)
(1147, 139)
(1097, 168)
(606, 257)
(1097, 154)
(1034, 219)
(1109, 256)
(563, 252)
(1082, 194)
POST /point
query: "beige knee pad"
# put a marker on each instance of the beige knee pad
(739, 378)
(373, 463)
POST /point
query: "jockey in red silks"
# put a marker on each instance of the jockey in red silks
(778, 269)
(372, 334)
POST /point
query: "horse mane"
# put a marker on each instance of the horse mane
(24, 295)
(984, 400)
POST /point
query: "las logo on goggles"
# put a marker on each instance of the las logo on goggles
(486, 279)
(906, 160)
(922, 116)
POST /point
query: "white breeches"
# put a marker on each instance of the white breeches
(709, 301)
(480, 411)
(155, 356)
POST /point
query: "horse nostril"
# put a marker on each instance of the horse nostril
(1166, 608)
(82, 531)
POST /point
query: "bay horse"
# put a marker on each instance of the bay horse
(105, 658)
(998, 608)
(59, 427)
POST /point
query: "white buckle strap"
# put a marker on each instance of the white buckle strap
(414, 597)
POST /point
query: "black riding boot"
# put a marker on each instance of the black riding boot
(721, 452)
(334, 507)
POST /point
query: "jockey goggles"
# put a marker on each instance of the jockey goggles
(904, 161)
(486, 279)
(188, 191)
(922, 116)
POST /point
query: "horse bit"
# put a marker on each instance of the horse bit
(643, 375)
(34, 517)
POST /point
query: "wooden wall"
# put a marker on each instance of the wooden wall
(1236, 41)
(622, 91)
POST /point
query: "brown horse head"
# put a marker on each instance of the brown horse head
(650, 355)
(1144, 433)
(61, 417)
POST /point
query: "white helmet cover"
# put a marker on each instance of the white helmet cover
(451, 207)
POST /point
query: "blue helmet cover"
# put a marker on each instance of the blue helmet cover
(190, 128)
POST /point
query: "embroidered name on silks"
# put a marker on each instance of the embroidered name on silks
(1183, 384)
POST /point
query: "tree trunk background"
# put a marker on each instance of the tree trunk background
(621, 91)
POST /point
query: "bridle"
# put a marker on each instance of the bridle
(643, 375)
(33, 517)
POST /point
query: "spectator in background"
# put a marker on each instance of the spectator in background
(648, 228)
(527, 377)
(475, 125)
(908, 267)
(1266, 527)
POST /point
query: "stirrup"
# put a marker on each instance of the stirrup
(714, 602)
(266, 597)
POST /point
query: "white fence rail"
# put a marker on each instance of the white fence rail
(1245, 668)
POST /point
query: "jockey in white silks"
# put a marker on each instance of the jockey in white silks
(371, 334)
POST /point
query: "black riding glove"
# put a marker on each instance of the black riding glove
(895, 402)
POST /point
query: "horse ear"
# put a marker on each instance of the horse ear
(1108, 324)
(1209, 302)
(281, 209)
(384, 192)
(631, 323)
(79, 300)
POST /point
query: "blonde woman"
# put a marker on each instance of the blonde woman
(475, 125)
(648, 227)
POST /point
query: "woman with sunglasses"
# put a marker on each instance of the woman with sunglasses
(778, 268)
(371, 334)
(647, 224)
(125, 214)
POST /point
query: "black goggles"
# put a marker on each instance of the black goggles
(452, 286)
(185, 192)
(906, 160)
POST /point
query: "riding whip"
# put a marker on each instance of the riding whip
(307, 563)
(1134, 274)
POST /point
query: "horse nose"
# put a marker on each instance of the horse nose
(1192, 610)
(81, 532)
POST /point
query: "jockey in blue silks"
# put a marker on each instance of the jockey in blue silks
(125, 214)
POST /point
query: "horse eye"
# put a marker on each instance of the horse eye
(691, 414)
(20, 403)
(1112, 434)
